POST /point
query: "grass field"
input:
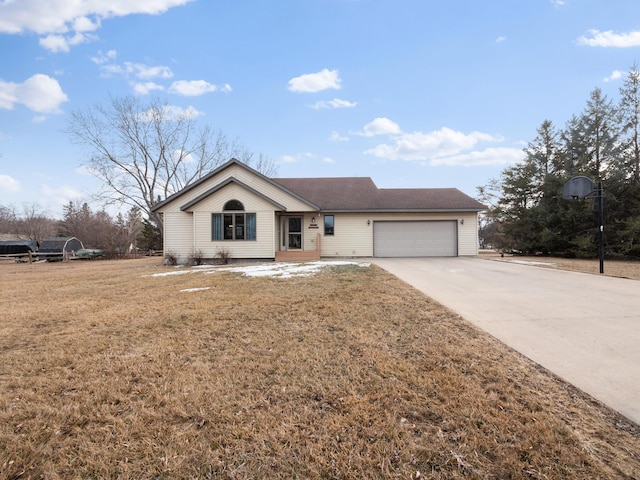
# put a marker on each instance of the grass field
(614, 268)
(108, 370)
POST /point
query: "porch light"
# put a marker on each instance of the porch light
(368, 222)
(462, 221)
(313, 219)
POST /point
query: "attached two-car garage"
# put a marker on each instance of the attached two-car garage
(437, 238)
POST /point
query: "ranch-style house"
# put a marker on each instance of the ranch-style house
(241, 213)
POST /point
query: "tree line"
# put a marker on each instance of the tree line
(122, 234)
(142, 152)
(527, 213)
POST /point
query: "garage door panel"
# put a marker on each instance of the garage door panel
(415, 239)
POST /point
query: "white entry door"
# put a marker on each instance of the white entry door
(291, 233)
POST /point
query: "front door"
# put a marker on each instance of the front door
(292, 233)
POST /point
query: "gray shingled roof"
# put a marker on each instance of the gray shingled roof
(352, 194)
(360, 193)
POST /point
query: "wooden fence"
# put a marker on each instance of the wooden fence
(30, 257)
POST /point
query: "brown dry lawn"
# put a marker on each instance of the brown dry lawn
(107, 372)
(614, 268)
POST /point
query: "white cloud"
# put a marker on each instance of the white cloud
(335, 103)
(489, 156)
(39, 93)
(296, 158)
(193, 88)
(501, 39)
(55, 43)
(615, 75)
(445, 147)
(181, 155)
(380, 126)
(596, 38)
(9, 184)
(61, 43)
(85, 24)
(328, 160)
(62, 195)
(172, 112)
(137, 70)
(102, 58)
(146, 87)
(315, 82)
(336, 137)
(189, 112)
(64, 23)
(142, 71)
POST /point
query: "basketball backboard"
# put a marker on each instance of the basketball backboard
(577, 188)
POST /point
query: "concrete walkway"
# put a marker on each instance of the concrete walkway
(584, 328)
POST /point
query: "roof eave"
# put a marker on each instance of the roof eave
(221, 168)
(401, 210)
(226, 182)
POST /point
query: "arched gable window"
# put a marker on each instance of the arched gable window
(233, 205)
(233, 225)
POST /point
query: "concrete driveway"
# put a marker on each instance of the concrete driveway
(584, 328)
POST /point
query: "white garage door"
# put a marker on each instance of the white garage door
(415, 239)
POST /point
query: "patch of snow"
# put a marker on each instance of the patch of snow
(286, 270)
(525, 262)
(273, 269)
(188, 290)
(174, 272)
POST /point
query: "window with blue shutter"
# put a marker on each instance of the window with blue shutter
(216, 226)
(233, 224)
(251, 226)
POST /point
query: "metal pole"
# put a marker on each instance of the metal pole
(601, 224)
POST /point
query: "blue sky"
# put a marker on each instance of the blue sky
(413, 93)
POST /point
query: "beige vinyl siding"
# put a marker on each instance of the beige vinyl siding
(310, 235)
(468, 235)
(178, 234)
(246, 177)
(354, 237)
(262, 247)
(251, 202)
(182, 237)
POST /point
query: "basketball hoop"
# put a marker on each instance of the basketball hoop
(580, 187)
(577, 188)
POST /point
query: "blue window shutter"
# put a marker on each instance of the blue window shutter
(251, 226)
(216, 226)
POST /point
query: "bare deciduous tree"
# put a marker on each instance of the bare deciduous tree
(8, 219)
(34, 224)
(144, 152)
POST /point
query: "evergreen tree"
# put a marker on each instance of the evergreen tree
(150, 237)
(602, 143)
(630, 116)
(76, 222)
(600, 133)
